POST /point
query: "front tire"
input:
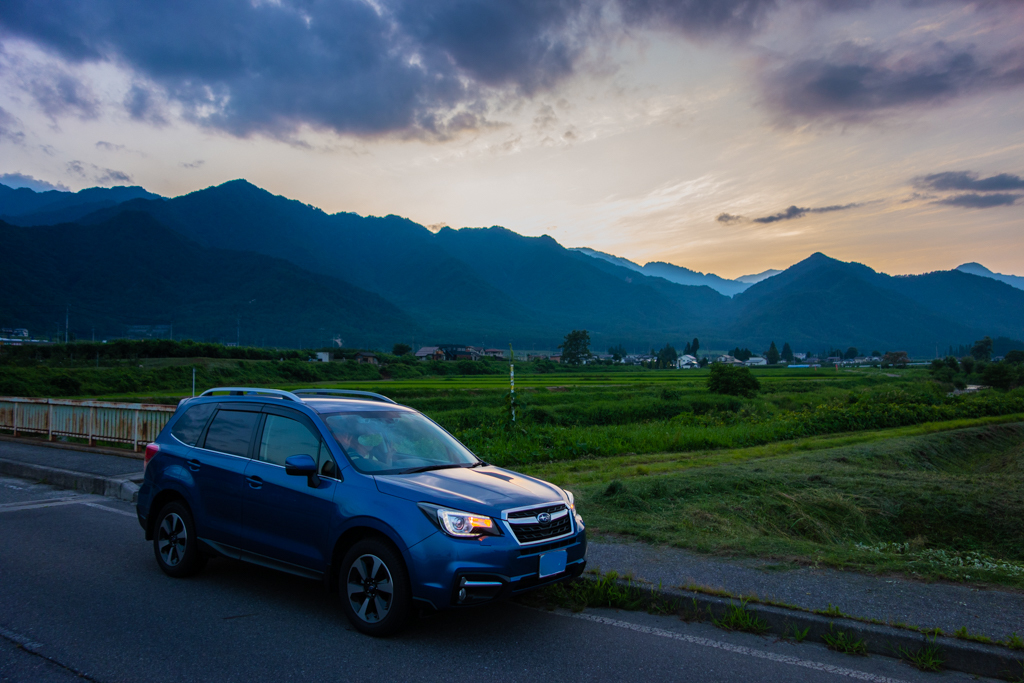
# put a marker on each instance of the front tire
(374, 588)
(174, 541)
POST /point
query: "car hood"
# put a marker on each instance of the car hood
(484, 490)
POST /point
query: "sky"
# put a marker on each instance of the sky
(726, 136)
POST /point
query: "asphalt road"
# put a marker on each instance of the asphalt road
(81, 597)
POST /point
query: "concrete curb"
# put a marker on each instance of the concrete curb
(969, 657)
(123, 488)
(120, 452)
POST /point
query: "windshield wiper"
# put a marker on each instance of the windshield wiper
(478, 463)
(427, 468)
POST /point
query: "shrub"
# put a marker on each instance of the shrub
(732, 380)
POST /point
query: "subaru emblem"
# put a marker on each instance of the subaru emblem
(543, 518)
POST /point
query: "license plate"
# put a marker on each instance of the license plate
(552, 563)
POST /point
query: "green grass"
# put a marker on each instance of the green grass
(941, 505)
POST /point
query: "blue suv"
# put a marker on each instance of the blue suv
(372, 497)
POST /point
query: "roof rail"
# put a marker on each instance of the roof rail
(344, 392)
(253, 391)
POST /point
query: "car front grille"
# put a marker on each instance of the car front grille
(528, 529)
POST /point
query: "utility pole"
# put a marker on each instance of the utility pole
(512, 381)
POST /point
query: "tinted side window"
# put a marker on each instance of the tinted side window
(190, 425)
(231, 431)
(284, 437)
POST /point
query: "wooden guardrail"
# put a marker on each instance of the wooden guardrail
(132, 423)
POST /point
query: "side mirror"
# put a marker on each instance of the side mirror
(302, 466)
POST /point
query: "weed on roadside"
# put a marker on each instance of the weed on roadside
(603, 591)
(840, 641)
(737, 618)
(795, 634)
(830, 611)
(963, 634)
(928, 658)
(1014, 642)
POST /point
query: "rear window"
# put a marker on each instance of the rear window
(231, 431)
(190, 425)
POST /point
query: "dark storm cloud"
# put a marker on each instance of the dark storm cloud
(980, 201)
(856, 83)
(728, 218)
(799, 212)
(411, 66)
(966, 180)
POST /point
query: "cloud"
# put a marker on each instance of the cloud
(94, 173)
(8, 122)
(980, 201)
(16, 180)
(966, 180)
(857, 83)
(699, 18)
(193, 164)
(430, 69)
(728, 218)
(799, 212)
(110, 146)
(59, 93)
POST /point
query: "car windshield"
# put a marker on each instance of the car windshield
(396, 442)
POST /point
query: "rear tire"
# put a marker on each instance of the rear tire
(374, 588)
(174, 541)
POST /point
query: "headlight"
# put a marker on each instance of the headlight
(460, 524)
(572, 499)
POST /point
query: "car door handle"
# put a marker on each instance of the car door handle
(254, 482)
(194, 465)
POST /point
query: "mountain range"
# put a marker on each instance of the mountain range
(235, 262)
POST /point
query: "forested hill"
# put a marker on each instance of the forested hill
(206, 255)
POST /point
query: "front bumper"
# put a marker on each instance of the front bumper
(488, 569)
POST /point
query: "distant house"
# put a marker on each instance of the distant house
(756, 360)
(460, 352)
(687, 362)
(726, 359)
(496, 354)
(800, 356)
(325, 356)
(430, 353)
(832, 360)
(367, 357)
(558, 358)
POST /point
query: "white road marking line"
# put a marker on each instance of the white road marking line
(35, 504)
(114, 510)
(738, 649)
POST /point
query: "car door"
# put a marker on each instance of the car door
(218, 466)
(283, 517)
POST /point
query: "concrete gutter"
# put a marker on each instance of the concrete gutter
(991, 661)
(123, 488)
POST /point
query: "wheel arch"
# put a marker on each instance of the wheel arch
(356, 531)
(159, 501)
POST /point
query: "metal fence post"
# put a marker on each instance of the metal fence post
(49, 420)
(135, 432)
(14, 421)
(92, 424)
